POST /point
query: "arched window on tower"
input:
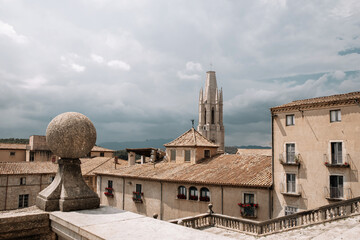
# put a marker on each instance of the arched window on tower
(212, 116)
(205, 116)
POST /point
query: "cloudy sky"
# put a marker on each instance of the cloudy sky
(135, 68)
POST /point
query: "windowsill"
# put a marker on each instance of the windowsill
(290, 163)
(337, 165)
(335, 199)
(291, 194)
(252, 217)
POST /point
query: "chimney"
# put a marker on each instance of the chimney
(131, 158)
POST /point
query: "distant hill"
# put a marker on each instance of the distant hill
(154, 143)
(15, 140)
(159, 143)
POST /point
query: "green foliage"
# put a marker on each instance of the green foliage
(15, 140)
(122, 154)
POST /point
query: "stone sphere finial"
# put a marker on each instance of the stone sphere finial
(71, 135)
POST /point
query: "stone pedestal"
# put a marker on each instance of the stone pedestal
(68, 191)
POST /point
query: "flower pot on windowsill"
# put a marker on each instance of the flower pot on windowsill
(181, 196)
(205, 199)
(108, 194)
(194, 198)
(137, 200)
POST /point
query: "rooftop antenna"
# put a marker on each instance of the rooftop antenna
(211, 66)
(192, 122)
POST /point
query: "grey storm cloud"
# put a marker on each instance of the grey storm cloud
(136, 67)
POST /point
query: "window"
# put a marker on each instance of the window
(32, 156)
(290, 120)
(335, 116)
(172, 154)
(102, 154)
(336, 186)
(212, 116)
(204, 194)
(249, 202)
(290, 153)
(52, 178)
(23, 181)
(290, 183)
(138, 191)
(206, 153)
(12, 153)
(23, 200)
(290, 210)
(187, 155)
(193, 193)
(336, 153)
(181, 192)
(110, 187)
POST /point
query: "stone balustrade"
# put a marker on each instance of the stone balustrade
(319, 215)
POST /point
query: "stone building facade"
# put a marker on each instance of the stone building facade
(188, 180)
(211, 112)
(20, 182)
(38, 151)
(316, 152)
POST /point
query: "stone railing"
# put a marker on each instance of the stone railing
(319, 215)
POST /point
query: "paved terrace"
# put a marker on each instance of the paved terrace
(101, 223)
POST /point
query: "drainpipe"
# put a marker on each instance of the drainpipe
(271, 202)
(222, 200)
(6, 190)
(161, 201)
(123, 195)
(40, 182)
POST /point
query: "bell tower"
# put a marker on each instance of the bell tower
(211, 112)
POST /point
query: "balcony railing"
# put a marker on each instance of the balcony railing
(321, 215)
(337, 193)
(289, 160)
(336, 163)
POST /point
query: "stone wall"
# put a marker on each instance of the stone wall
(30, 223)
(10, 189)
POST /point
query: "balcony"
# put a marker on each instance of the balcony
(336, 163)
(337, 193)
(289, 160)
(291, 191)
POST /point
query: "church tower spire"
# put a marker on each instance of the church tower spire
(211, 112)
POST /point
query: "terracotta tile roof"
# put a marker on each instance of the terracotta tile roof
(13, 146)
(333, 100)
(28, 168)
(101, 149)
(89, 165)
(249, 170)
(266, 152)
(191, 138)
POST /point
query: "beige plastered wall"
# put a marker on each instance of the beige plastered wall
(312, 134)
(161, 198)
(10, 189)
(196, 153)
(20, 155)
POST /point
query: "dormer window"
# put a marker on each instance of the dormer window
(290, 120)
(335, 115)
